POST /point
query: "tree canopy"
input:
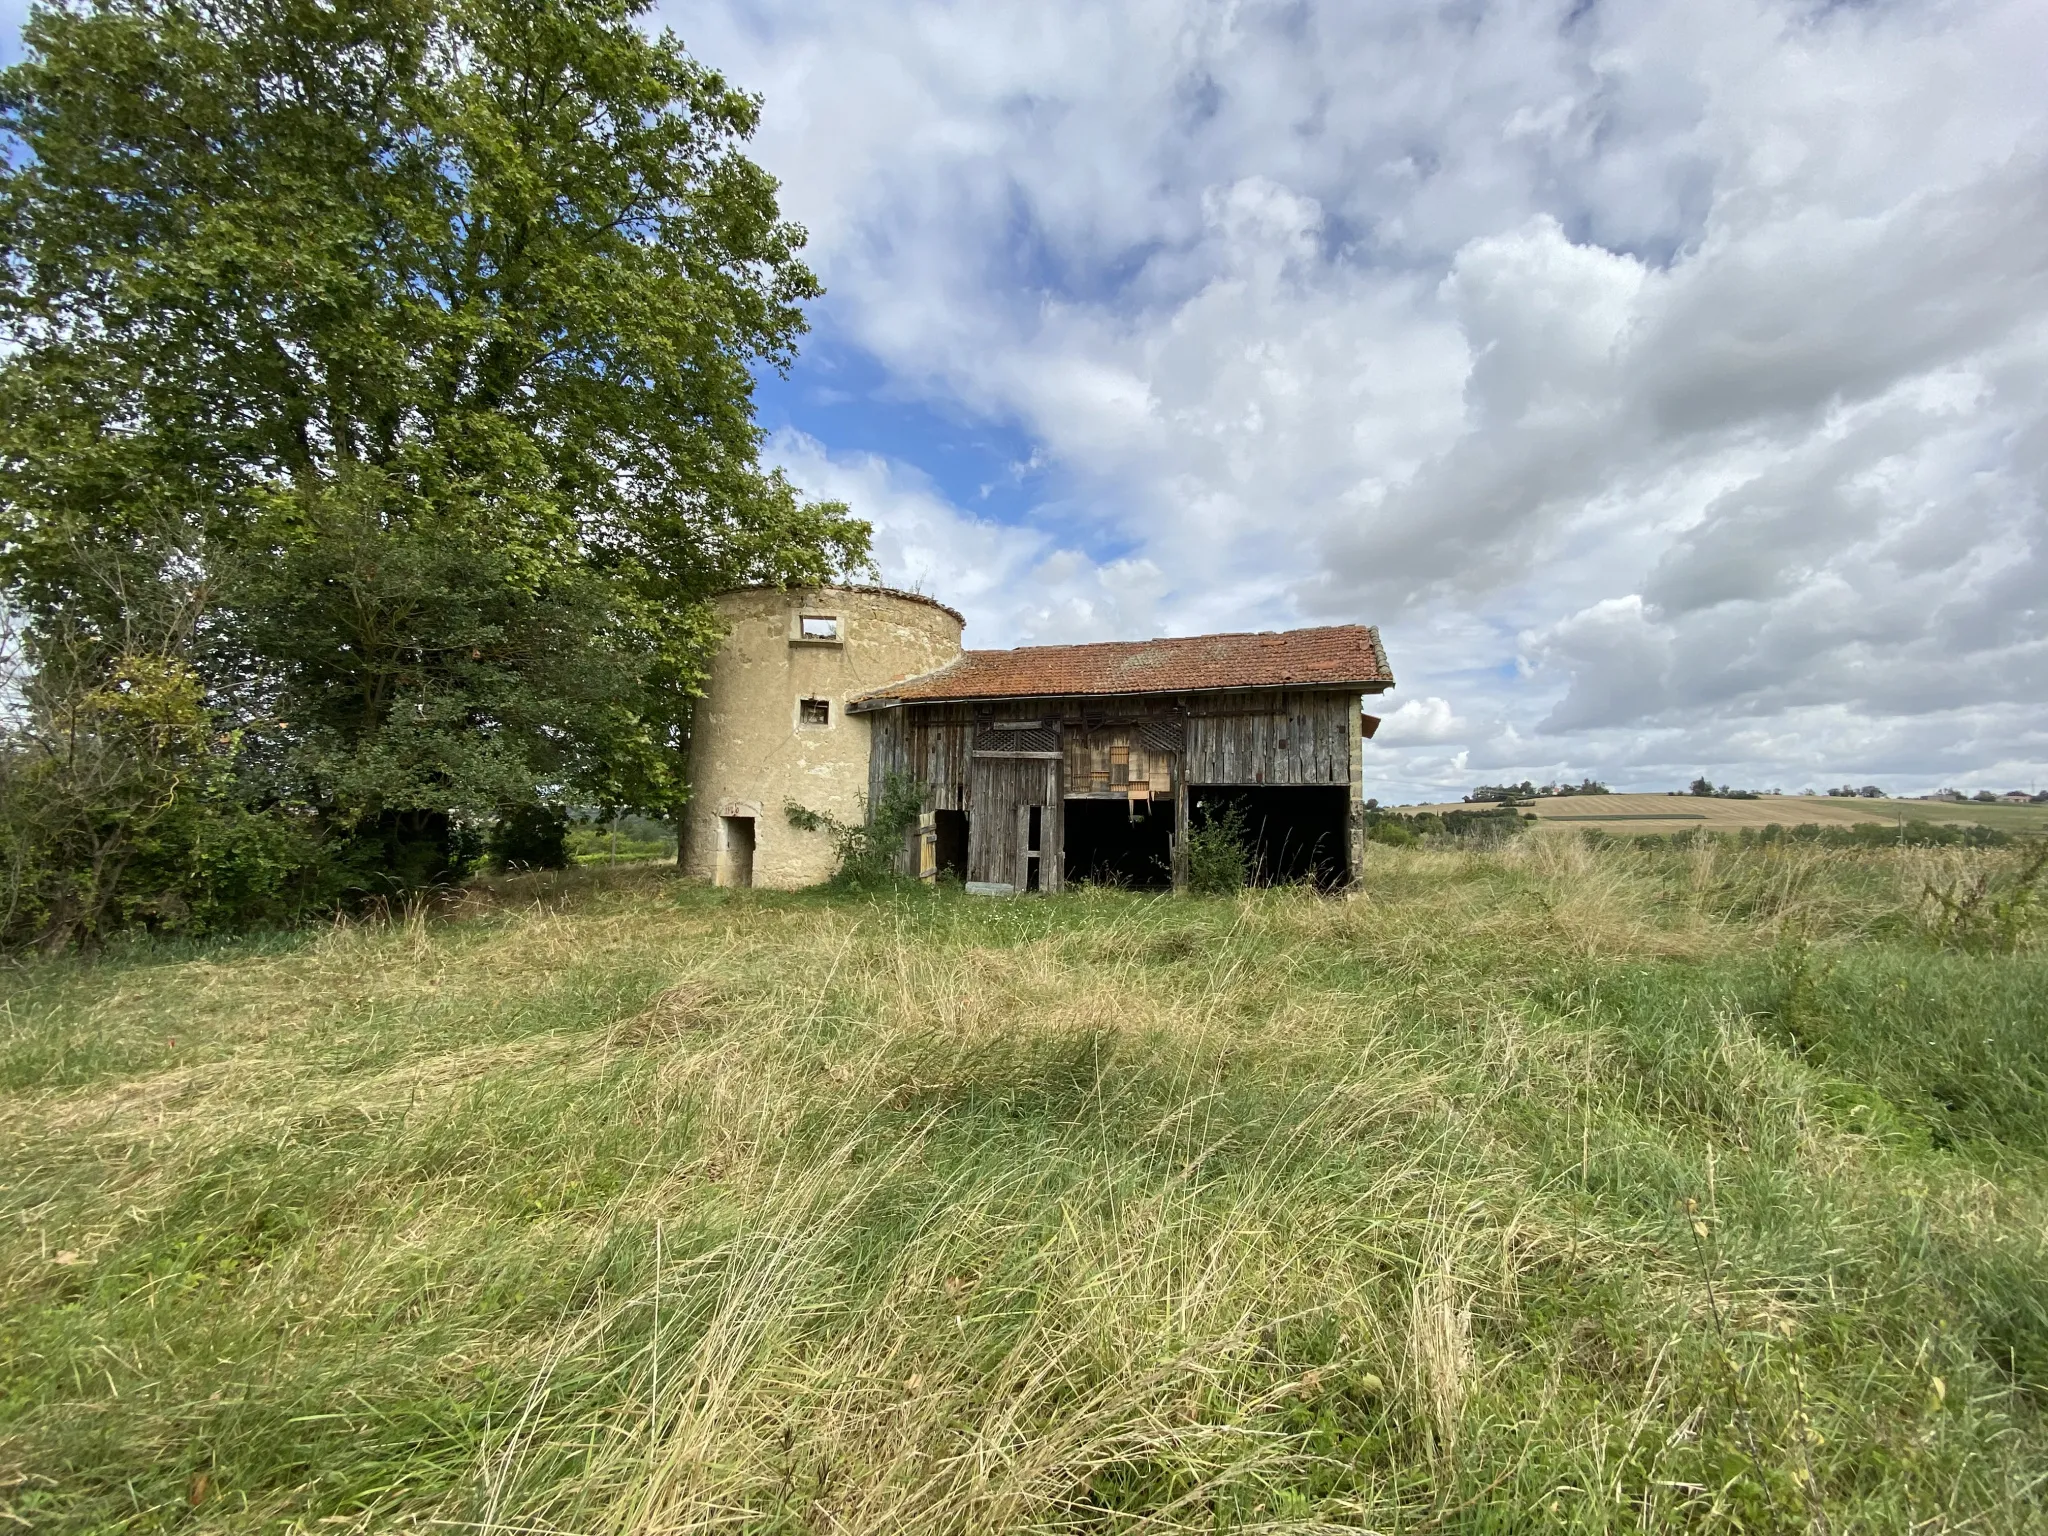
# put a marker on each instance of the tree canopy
(387, 365)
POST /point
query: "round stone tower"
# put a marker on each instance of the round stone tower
(773, 726)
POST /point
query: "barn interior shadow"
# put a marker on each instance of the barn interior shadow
(1296, 832)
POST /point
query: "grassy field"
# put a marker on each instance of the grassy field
(1547, 1188)
(1626, 814)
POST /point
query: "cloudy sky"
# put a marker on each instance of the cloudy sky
(1668, 381)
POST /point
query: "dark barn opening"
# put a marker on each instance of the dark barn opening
(949, 851)
(1296, 832)
(1120, 842)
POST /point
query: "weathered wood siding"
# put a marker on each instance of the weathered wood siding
(929, 747)
(1273, 738)
(991, 760)
(1306, 736)
(886, 748)
(885, 751)
(934, 744)
(1003, 791)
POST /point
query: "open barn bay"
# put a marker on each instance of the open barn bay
(1550, 1188)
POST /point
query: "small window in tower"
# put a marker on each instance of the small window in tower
(814, 712)
(817, 626)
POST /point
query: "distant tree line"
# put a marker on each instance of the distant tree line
(1487, 794)
(375, 422)
(1706, 786)
(1509, 794)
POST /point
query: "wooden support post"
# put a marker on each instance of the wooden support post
(1181, 796)
(1354, 851)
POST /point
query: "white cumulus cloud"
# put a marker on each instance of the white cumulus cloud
(1669, 382)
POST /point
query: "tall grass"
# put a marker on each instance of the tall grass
(1547, 1187)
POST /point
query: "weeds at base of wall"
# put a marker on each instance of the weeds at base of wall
(865, 851)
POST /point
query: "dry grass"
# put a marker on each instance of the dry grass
(606, 1204)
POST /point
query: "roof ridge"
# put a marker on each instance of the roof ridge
(1221, 634)
(1321, 656)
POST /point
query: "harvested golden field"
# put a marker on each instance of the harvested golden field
(1681, 813)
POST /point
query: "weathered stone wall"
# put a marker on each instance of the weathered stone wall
(751, 750)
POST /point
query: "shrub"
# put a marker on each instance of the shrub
(867, 849)
(1219, 853)
(1392, 833)
(120, 807)
(1979, 917)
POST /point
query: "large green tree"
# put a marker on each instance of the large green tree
(389, 364)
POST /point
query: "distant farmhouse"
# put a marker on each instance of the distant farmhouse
(1039, 766)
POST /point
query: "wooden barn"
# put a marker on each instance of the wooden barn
(1060, 763)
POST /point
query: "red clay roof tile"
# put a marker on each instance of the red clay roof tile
(1341, 656)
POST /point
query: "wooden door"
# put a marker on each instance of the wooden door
(1011, 795)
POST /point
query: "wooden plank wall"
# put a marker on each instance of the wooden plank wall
(888, 749)
(1305, 736)
(932, 745)
(1271, 738)
(1003, 789)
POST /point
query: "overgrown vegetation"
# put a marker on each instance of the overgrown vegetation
(1980, 913)
(1404, 829)
(375, 421)
(1219, 852)
(1540, 1186)
(865, 852)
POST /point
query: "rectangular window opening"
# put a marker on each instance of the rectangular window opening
(814, 712)
(817, 626)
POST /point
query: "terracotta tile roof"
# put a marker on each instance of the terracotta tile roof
(1342, 656)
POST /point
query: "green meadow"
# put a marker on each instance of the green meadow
(1556, 1187)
